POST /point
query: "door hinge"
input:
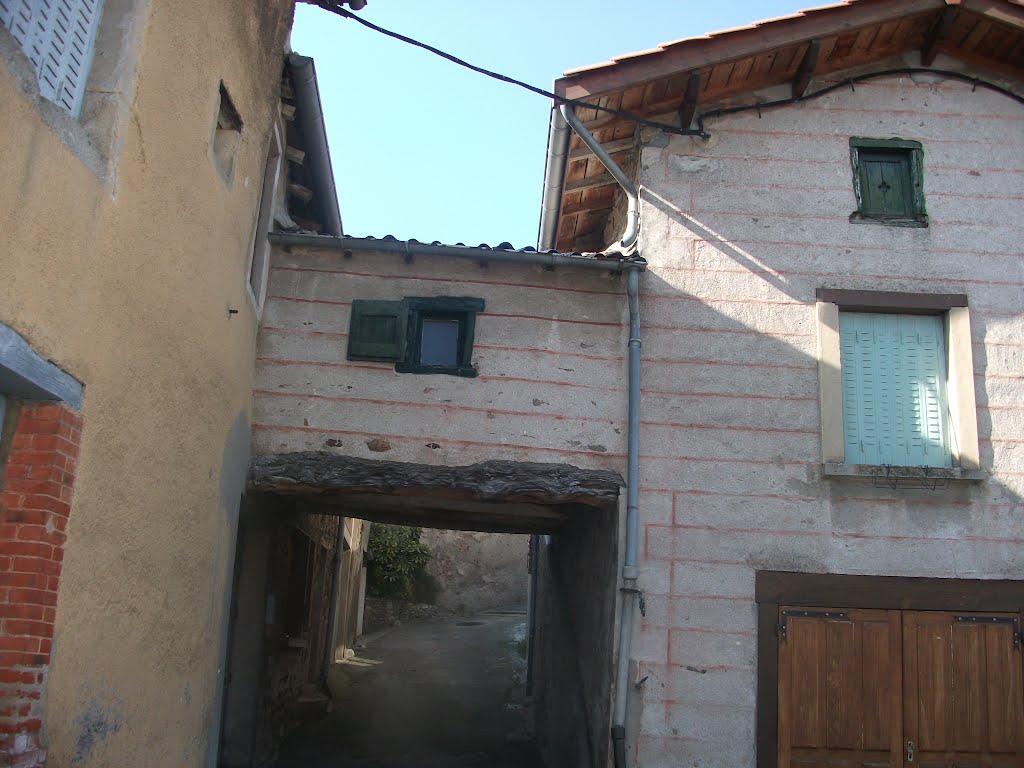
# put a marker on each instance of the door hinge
(780, 628)
(1015, 630)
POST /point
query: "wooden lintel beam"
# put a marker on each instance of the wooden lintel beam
(612, 148)
(937, 35)
(806, 69)
(577, 185)
(689, 106)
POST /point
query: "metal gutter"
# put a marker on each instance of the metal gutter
(314, 136)
(413, 248)
(554, 178)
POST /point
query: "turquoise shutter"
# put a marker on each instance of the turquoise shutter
(377, 330)
(58, 37)
(894, 389)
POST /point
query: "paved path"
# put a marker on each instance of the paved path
(437, 694)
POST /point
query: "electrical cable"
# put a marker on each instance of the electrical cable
(327, 5)
(700, 130)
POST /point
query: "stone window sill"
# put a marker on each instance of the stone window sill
(875, 472)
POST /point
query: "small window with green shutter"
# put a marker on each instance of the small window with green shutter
(377, 330)
(888, 182)
(430, 334)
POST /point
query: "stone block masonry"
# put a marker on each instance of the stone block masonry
(35, 506)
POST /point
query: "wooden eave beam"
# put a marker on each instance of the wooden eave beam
(693, 54)
(578, 185)
(806, 70)
(689, 106)
(937, 35)
(1009, 13)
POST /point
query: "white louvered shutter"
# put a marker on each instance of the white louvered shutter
(894, 389)
(58, 38)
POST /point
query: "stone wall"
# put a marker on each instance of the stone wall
(474, 571)
(740, 231)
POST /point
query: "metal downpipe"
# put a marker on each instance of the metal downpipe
(554, 173)
(629, 567)
(629, 564)
(633, 210)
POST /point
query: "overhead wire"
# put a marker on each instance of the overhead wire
(337, 9)
(700, 130)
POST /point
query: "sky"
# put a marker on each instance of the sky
(425, 149)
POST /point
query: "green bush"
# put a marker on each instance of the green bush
(398, 557)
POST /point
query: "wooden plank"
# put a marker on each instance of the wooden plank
(843, 706)
(612, 148)
(305, 194)
(970, 697)
(25, 374)
(888, 592)
(577, 185)
(695, 53)
(1005, 691)
(1011, 14)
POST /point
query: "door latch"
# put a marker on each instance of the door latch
(910, 751)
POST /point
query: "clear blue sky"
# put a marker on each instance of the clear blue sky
(425, 149)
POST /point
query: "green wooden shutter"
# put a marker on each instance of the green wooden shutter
(377, 330)
(886, 183)
(894, 389)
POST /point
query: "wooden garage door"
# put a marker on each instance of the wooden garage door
(861, 688)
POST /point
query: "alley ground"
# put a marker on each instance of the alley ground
(435, 694)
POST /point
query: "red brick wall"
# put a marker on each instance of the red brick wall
(35, 503)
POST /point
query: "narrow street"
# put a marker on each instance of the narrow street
(445, 693)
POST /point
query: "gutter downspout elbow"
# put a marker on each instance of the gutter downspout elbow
(629, 236)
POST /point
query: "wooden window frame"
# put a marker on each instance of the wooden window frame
(463, 310)
(917, 216)
(773, 589)
(960, 394)
(258, 268)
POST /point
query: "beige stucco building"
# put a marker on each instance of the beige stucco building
(131, 191)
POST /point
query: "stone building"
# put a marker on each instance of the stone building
(814, 239)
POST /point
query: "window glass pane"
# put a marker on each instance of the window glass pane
(439, 342)
(894, 389)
